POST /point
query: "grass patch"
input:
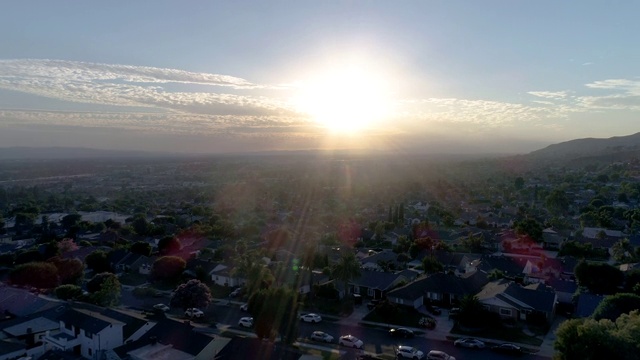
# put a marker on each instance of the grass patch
(220, 292)
(500, 333)
(133, 279)
(332, 307)
(403, 316)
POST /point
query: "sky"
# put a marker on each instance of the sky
(400, 76)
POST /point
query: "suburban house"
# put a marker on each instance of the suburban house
(375, 261)
(513, 301)
(170, 339)
(375, 284)
(221, 275)
(87, 333)
(441, 288)
(564, 289)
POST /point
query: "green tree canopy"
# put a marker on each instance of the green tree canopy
(599, 278)
(41, 275)
(591, 339)
(68, 292)
(275, 311)
(613, 306)
(97, 261)
(169, 245)
(347, 268)
(168, 268)
(193, 293)
(105, 289)
(529, 227)
(141, 247)
(70, 271)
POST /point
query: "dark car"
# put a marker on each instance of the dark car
(434, 310)
(454, 312)
(402, 332)
(507, 348)
(372, 304)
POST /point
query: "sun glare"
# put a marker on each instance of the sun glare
(345, 101)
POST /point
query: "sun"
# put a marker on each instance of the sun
(345, 100)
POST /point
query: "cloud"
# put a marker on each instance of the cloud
(625, 85)
(136, 86)
(549, 94)
(491, 113)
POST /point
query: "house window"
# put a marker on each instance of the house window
(505, 312)
(371, 292)
(356, 289)
(90, 352)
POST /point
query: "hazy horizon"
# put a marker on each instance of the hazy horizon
(413, 77)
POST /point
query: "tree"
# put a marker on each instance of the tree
(613, 306)
(347, 268)
(599, 278)
(70, 220)
(275, 311)
(431, 265)
(518, 183)
(98, 262)
(141, 247)
(471, 311)
(168, 268)
(557, 202)
(622, 251)
(529, 227)
(70, 271)
(193, 293)
(29, 256)
(169, 245)
(66, 245)
(105, 289)
(598, 339)
(41, 275)
(68, 292)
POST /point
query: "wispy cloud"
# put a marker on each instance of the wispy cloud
(122, 85)
(549, 94)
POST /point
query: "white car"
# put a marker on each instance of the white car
(321, 336)
(194, 313)
(469, 343)
(351, 341)
(439, 355)
(161, 307)
(244, 307)
(408, 352)
(312, 318)
(246, 322)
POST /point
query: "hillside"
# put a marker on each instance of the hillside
(579, 151)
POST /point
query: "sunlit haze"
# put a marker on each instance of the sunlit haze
(410, 77)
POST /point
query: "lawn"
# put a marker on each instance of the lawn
(403, 316)
(133, 279)
(499, 333)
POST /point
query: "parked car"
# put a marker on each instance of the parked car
(235, 293)
(439, 355)
(321, 336)
(372, 304)
(454, 312)
(351, 341)
(469, 343)
(246, 322)
(408, 352)
(244, 307)
(194, 313)
(312, 318)
(507, 348)
(161, 307)
(434, 309)
(402, 332)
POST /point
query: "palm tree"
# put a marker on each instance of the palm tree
(347, 268)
